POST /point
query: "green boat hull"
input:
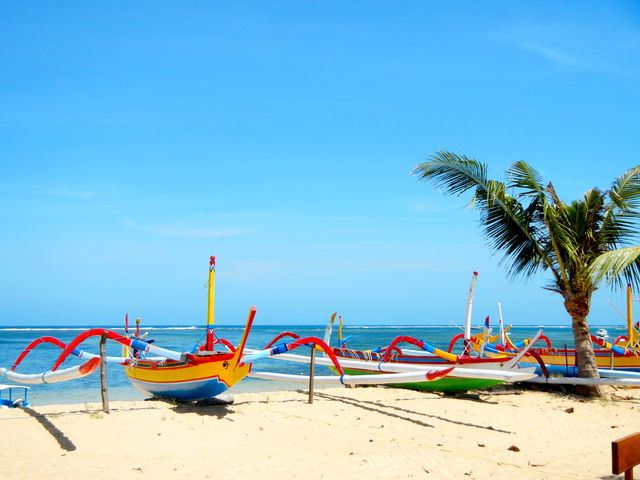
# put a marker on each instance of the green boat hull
(446, 384)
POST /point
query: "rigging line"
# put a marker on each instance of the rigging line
(624, 317)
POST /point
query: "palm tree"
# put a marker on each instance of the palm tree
(580, 243)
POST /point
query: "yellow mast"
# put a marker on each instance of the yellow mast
(210, 304)
(631, 332)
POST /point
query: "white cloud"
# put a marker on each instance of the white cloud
(564, 45)
(184, 231)
(62, 192)
(551, 53)
(429, 208)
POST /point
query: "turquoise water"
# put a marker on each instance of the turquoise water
(13, 340)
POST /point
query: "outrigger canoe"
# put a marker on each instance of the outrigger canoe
(462, 372)
(612, 358)
(199, 374)
(505, 368)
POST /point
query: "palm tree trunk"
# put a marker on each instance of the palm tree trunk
(577, 305)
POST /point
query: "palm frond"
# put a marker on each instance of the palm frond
(625, 191)
(583, 220)
(452, 173)
(622, 215)
(559, 236)
(508, 228)
(524, 177)
(620, 266)
(619, 231)
(508, 225)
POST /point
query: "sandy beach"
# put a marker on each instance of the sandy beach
(345, 433)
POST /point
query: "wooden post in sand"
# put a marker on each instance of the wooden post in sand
(312, 365)
(103, 373)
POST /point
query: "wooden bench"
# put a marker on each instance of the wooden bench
(625, 454)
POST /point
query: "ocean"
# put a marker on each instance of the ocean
(13, 340)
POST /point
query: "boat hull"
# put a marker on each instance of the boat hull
(185, 391)
(186, 381)
(560, 357)
(445, 384)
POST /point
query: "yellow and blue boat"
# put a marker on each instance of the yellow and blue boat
(202, 374)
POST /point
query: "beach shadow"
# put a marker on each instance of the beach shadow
(278, 401)
(377, 407)
(266, 402)
(199, 408)
(64, 442)
(218, 411)
(359, 404)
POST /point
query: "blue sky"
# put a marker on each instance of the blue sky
(137, 139)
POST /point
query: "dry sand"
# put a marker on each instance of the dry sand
(380, 433)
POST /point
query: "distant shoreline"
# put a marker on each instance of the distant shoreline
(274, 326)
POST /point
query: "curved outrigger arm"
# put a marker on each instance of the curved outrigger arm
(132, 342)
(84, 369)
(609, 346)
(281, 348)
(33, 345)
(423, 344)
(76, 352)
(516, 349)
(513, 357)
(280, 336)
